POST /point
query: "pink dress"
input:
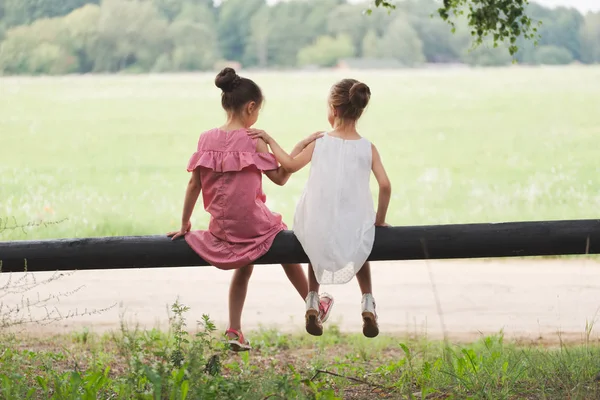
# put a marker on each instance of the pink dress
(241, 228)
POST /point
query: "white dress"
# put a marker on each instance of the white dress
(335, 217)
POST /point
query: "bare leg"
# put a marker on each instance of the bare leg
(238, 289)
(369, 316)
(313, 284)
(364, 279)
(296, 276)
(314, 325)
(325, 300)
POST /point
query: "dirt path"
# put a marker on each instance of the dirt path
(525, 298)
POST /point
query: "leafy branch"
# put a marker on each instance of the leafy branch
(503, 20)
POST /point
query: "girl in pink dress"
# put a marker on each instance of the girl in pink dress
(227, 168)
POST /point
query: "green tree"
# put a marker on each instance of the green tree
(2, 22)
(15, 49)
(36, 49)
(347, 19)
(195, 47)
(370, 45)
(131, 33)
(233, 26)
(401, 42)
(488, 55)
(198, 11)
(317, 19)
(82, 35)
(51, 59)
(287, 32)
(568, 27)
(439, 44)
(19, 12)
(553, 55)
(257, 51)
(326, 51)
(169, 9)
(560, 27)
(590, 39)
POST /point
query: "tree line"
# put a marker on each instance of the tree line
(105, 36)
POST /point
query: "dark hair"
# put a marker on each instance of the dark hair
(237, 91)
(350, 97)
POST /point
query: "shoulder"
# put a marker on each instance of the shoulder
(367, 145)
(374, 149)
(261, 146)
(210, 132)
(375, 156)
(206, 135)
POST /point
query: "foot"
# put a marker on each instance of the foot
(369, 316)
(236, 340)
(325, 306)
(313, 320)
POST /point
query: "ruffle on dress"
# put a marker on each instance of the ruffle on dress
(231, 161)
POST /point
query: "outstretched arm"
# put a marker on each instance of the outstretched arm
(280, 176)
(290, 163)
(191, 197)
(385, 188)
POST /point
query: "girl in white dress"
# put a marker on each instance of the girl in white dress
(335, 218)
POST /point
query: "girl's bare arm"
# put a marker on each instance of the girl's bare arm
(191, 197)
(385, 188)
(280, 175)
(290, 163)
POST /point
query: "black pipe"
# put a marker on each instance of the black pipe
(512, 239)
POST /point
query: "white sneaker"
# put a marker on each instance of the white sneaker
(312, 317)
(369, 316)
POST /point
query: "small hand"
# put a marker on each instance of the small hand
(312, 138)
(260, 134)
(382, 224)
(185, 228)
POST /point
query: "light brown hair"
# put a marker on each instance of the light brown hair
(349, 97)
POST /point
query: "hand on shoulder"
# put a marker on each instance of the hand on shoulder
(311, 138)
(260, 134)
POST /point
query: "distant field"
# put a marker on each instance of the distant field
(109, 153)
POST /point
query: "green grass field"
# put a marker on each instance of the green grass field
(108, 154)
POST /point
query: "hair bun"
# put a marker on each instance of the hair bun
(227, 79)
(360, 95)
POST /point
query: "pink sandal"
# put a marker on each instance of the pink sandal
(325, 306)
(239, 343)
